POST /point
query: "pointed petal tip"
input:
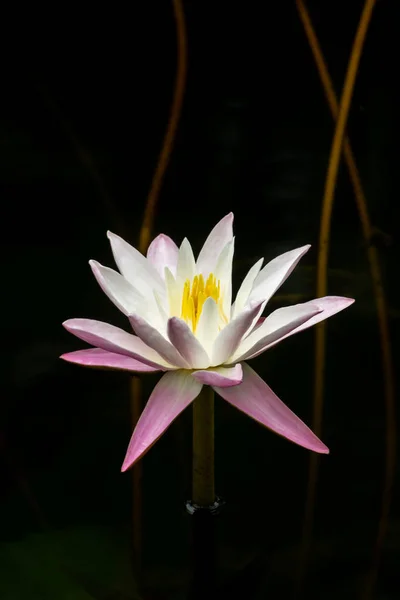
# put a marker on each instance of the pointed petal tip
(72, 324)
(131, 459)
(94, 265)
(67, 357)
(125, 466)
(256, 399)
(342, 300)
(162, 236)
(113, 236)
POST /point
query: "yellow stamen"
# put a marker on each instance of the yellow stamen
(195, 294)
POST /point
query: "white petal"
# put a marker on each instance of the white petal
(163, 309)
(214, 244)
(208, 325)
(186, 268)
(327, 307)
(220, 376)
(245, 288)
(155, 340)
(113, 339)
(174, 292)
(134, 266)
(275, 327)
(230, 337)
(187, 344)
(163, 252)
(118, 289)
(275, 273)
(223, 272)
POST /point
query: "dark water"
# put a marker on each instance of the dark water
(254, 138)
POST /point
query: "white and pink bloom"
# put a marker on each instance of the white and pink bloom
(186, 325)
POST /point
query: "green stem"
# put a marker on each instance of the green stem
(203, 490)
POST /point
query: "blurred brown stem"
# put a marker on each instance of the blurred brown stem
(144, 240)
(340, 113)
(169, 138)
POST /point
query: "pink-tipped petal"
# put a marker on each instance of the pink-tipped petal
(150, 336)
(230, 337)
(255, 398)
(110, 338)
(163, 252)
(98, 358)
(327, 307)
(274, 329)
(134, 266)
(271, 277)
(214, 244)
(173, 393)
(187, 344)
(220, 376)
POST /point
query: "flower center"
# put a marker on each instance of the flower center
(195, 294)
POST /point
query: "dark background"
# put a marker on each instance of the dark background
(83, 108)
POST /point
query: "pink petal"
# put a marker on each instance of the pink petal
(230, 337)
(258, 401)
(327, 306)
(96, 357)
(113, 339)
(220, 376)
(275, 273)
(187, 344)
(163, 252)
(150, 336)
(172, 394)
(214, 244)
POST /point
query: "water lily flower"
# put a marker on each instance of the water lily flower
(186, 326)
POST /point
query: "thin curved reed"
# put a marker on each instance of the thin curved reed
(144, 240)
